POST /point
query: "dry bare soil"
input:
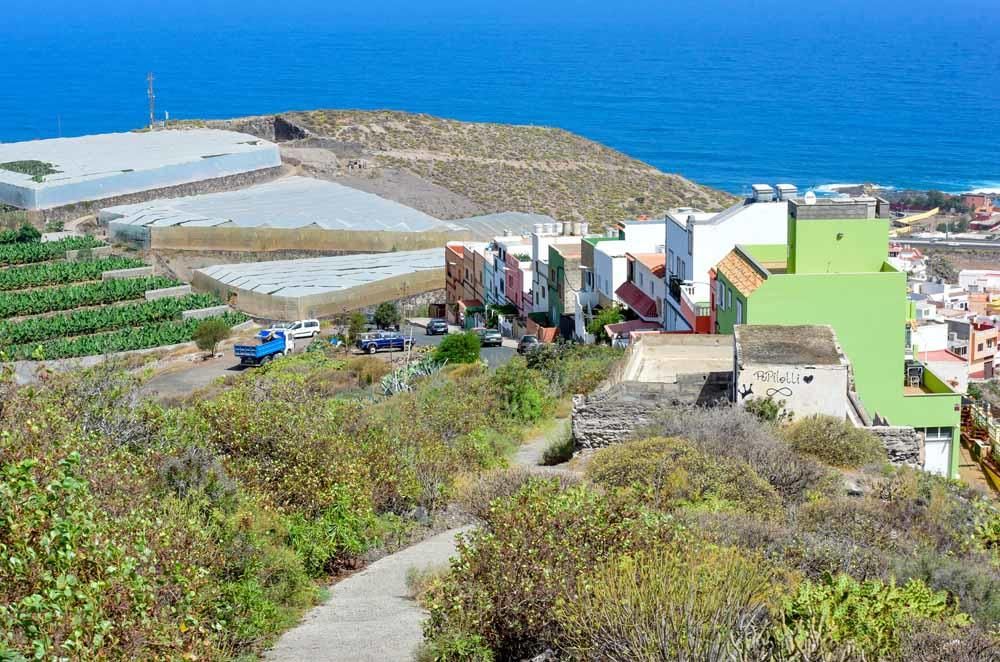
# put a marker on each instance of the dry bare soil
(452, 169)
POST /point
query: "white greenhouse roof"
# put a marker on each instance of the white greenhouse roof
(91, 168)
(289, 203)
(299, 278)
(98, 156)
(495, 225)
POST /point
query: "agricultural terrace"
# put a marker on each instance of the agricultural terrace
(52, 308)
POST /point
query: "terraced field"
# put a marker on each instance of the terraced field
(51, 308)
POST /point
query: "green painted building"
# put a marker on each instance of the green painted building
(834, 271)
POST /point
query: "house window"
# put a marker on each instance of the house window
(979, 347)
(718, 294)
(670, 260)
(690, 234)
(739, 312)
(729, 298)
(640, 278)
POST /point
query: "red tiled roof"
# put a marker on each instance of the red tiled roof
(637, 300)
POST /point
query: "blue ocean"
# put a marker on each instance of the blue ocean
(725, 92)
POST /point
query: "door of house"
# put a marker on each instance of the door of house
(937, 450)
(988, 369)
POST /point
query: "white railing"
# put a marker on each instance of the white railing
(982, 418)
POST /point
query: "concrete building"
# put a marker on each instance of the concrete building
(322, 287)
(643, 291)
(833, 271)
(46, 174)
(802, 367)
(979, 280)
(696, 241)
(564, 282)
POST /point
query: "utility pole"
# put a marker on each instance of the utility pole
(152, 99)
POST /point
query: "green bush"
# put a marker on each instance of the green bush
(209, 333)
(670, 473)
(340, 533)
(834, 441)
(458, 348)
(522, 391)
(386, 315)
(866, 617)
(512, 573)
(676, 602)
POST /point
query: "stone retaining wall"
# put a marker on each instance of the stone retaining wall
(612, 415)
(168, 292)
(118, 274)
(205, 313)
(89, 253)
(902, 444)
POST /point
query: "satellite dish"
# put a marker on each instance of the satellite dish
(810, 198)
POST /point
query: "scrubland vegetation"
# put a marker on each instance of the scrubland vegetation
(716, 536)
(133, 531)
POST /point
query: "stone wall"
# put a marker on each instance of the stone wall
(614, 414)
(903, 445)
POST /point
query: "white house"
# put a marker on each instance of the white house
(697, 241)
(610, 261)
(979, 280)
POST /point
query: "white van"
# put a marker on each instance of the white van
(303, 328)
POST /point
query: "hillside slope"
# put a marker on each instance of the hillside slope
(451, 168)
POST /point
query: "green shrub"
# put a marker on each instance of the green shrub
(521, 391)
(209, 333)
(768, 410)
(869, 617)
(834, 441)
(732, 432)
(511, 573)
(338, 535)
(672, 603)
(386, 315)
(458, 348)
(66, 590)
(670, 473)
(455, 647)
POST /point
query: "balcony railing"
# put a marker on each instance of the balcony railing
(674, 287)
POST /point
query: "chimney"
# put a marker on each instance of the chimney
(584, 228)
(539, 228)
(567, 229)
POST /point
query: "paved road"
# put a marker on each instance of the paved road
(369, 616)
(949, 243)
(495, 356)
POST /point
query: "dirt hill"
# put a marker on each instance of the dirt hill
(452, 169)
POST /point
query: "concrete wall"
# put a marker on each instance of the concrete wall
(138, 272)
(266, 306)
(204, 313)
(805, 390)
(238, 239)
(168, 293)
(89, 253)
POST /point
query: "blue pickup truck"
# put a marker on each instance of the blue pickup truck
(270, 344)
(392, 340)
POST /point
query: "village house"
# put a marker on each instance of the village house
(833, 270)
(695, 242)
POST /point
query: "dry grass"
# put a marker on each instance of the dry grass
(521, 168)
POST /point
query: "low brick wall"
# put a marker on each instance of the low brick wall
(89, 253)
(903, 445)
(168, 293)
(118, 274)
(204, 313)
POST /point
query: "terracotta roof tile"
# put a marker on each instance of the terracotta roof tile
(743, 276)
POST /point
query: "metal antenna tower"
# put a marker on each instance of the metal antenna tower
(152, 99)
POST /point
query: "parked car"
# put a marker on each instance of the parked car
(271, 343)
(489, 337)
(526, 344)
(301, 328)
(437, 327)
(391, 340)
